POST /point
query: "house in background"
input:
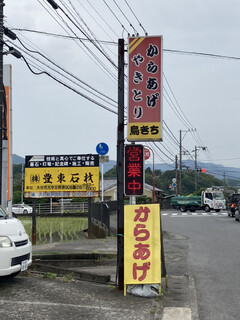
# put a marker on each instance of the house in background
(110, 190)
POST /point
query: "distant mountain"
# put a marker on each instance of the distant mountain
(17, 159)
(217, 170)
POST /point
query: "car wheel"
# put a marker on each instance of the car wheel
(183, 209)
(14, 274)
(25, 211)
(207, 208)
(237, 216)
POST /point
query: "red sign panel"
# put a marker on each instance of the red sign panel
(134, 170)
(145, 89)
(147, 153)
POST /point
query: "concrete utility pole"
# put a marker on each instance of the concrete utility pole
(120, 168)
(180, 164)
(1, 91)
(197, 148)
(180, 158)
(176, 174)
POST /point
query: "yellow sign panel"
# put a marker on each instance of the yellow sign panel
(59, 181)
(143, 131)
(142, 246)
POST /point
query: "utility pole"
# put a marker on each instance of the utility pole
(195, 167)
(180, 158)
(1, 92)
(196, 149)
(176, 173)
(180, 164)
(120, 168)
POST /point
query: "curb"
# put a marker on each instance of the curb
(76, 265)
(193, 297)
(81, 275)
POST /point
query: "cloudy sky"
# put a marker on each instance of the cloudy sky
(200, 92)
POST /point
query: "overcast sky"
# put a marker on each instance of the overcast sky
(48, 118)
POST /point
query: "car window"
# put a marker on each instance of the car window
(218, 196)
(2, 214)
(236, 197)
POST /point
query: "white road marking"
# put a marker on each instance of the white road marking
(64, 305)
(173, 313)
(195, 214)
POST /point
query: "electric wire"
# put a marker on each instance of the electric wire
(174, 97)
(84, 47)
(86, 35)
(86, 89)
(136, 18)
(62, 36)
(69, 73)
(116, 17)
(104, 20)
(182, 52)
(91, 36)
(135, 31)
(67, 86)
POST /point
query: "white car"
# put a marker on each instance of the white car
(15, 246)
(21, 209)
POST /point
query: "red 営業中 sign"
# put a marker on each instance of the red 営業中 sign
(134, 170)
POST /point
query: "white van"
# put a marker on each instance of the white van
(15, 246)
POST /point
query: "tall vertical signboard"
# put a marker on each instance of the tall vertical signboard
(145, 89)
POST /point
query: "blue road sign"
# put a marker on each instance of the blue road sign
(102, 148)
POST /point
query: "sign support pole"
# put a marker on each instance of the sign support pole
(120, 168)
(102, 181)
(1, 94)
(34, 222)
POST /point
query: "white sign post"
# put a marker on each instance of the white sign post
(102, 150)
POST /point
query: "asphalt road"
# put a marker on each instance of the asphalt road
(214, 260)
(30, 298)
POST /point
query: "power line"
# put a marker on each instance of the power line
(86, 89)
(135, 31)
(85, 48)
(69, 73)
(209, 55)
(67, 86)
(136, 17)
(116, 17)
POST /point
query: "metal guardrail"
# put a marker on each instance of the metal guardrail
(62, 207)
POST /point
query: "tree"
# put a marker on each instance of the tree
(112, 173)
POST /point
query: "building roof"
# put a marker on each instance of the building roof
(112, 183)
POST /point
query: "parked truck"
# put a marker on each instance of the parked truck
(210, 199)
